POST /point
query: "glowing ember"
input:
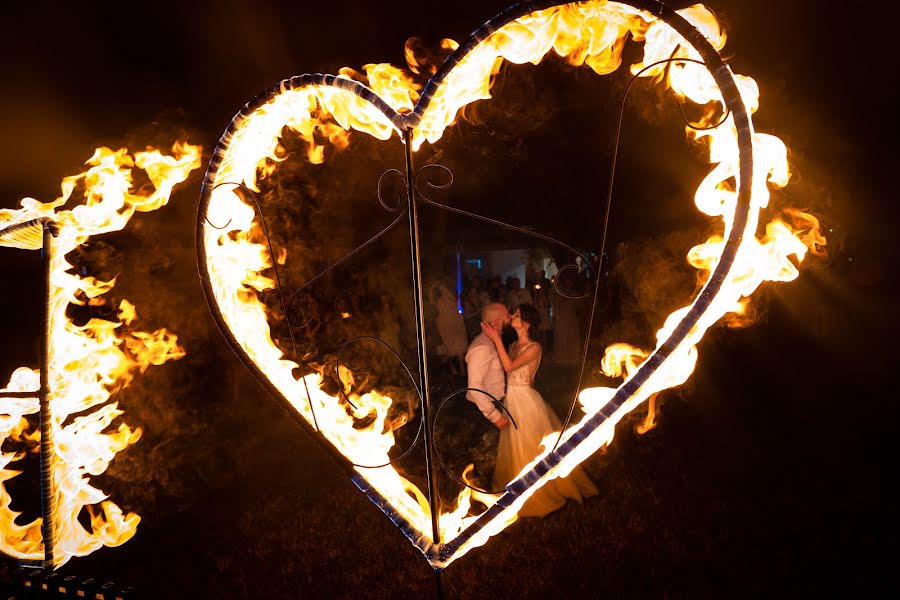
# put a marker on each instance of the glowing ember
(89, 362)
(586, 33)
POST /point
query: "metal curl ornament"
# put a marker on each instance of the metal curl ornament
(302, 292)
(433, 112)
(440, 457)
(368, 242)
(430, 168)
(301, 302)
(412, 379)
(381, 199)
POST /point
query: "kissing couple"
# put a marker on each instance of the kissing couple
(523, 417)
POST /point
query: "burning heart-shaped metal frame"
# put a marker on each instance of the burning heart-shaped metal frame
(579, 442)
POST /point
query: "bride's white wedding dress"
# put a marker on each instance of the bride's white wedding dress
(518, 447)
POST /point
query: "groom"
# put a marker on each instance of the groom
(485, 370)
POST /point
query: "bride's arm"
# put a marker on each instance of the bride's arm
(529, 354)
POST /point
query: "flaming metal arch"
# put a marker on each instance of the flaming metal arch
(39, 233)
(439, 554)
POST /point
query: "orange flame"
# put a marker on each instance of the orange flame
(591, 33)
(87, 363)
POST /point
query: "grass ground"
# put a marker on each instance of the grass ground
(760, 480)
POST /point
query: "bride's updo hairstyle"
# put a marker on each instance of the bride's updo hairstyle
(530, 315)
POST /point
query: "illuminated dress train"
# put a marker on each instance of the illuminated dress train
(518, 447)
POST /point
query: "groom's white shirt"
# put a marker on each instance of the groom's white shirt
(485, 373)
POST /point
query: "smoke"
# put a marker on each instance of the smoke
(649, 279)
(153, 263)
(316, 215)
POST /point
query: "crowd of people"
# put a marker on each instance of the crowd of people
(560, 330)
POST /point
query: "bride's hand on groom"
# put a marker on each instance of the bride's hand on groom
(492, 332)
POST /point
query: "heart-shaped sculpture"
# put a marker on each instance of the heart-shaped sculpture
(231, 264)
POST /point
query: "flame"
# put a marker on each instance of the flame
(394, 85)
(650, 420)
(591, 33)
(585, 33)
(87, 363)
(455, 521)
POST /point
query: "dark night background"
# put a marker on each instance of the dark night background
(768, 473)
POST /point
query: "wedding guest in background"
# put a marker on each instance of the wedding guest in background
(567, 343)
(475, 298)
(517, 295)
(451, 327)
(541, 289)
(496, 290)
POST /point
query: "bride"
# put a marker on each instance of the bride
(533, 417)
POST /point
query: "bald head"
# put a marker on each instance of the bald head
(496, 314)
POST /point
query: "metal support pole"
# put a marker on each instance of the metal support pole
(423, 354)
(48, 485)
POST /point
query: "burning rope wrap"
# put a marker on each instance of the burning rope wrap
(27, 235)
(733, 102)
(441, 554)
(48, 456)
